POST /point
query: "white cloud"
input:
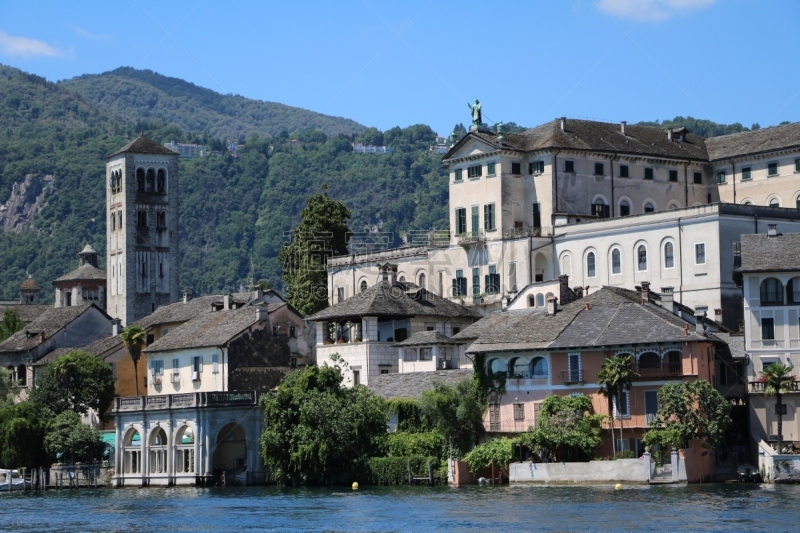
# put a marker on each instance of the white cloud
(93, 36)
(650, 10)
(24, 47)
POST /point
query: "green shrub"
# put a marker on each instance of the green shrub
(402, 444)
(624, 454)
(499, 452)
(394, 470)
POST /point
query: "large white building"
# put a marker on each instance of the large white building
(605, 204)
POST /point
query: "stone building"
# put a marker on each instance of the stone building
(142, 229)
(86, 284)
(27, 307)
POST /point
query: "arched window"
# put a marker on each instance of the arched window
(616, 261)
(566, 265)
(624, 208)
(669, 255)
(497, 368)
(150, 185)
(774, 202)
(401, 279)
(132, 453)
(184, 461)
(161, 180)
(540, 300)
(590, 265)
(771, 292)
(531, 301)
(363, 285)
(673, 206)
(539, 368)
(649, 207)
(517, 368)
(641, 258)
(649, 365)
(793, 290)
(140, 179)
(158, 451)
(422, 280)
(673, 366)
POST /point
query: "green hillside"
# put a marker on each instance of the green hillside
(234, 211)
(145, 95)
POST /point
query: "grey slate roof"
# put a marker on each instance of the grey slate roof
(30, 285)
(85, 272)
(98, 348)
(754, 142)
(426, 338)
(143, 145)
(49, 322)
(26, 313)
(589, 135)
(182, 312)
(412, 384)
(209, 329)
(734, 345)
(387, 299)
(476, 329)
(761, 253)
(614, 317)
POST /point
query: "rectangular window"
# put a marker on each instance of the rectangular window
(574, 371)
(569, 166)
(599, 170)
(384, 371)
(624, 209)
(461, 221)
(700, 253)
(516, 169)
(176, 364)
(215, 363)
(622, 405)
(113, 221)
(459, 175)
(698, 178)
(650, 405)
(476, 281)
(746, 173)
(797, 165)
(475, 219)
(648, 173)
(141, 219)
(492, 280)
(339, 294)
(356, 377)
(490, 169)
(616, 261)
(721, 176)
(475, 171)
(768, 329)
(519, 412)
(197, 364)
(623, 171)
(459, 284)
(537, 216)
(488, 217)
(512, 277)
(157, 367)
(673, 175)
(772, 169)
(536, 167)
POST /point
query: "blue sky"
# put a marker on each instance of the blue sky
(419, 61)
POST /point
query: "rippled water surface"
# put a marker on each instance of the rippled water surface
(515, 509)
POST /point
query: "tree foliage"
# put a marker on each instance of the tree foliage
(322, 233)
(318, 432)
(616, 375)
(497, 452)
(428, 444)
(456, 411)
(75, 382)
(22, 429)
(564, 421)
(69, 440)
(10, 324)
(688, 411)
(134, 338)
(778, 380)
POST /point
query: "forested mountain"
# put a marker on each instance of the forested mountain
(235, 211)
(145, 95)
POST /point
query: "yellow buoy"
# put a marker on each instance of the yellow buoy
(355, 485)
(618, 486)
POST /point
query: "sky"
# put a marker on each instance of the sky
(386, 63)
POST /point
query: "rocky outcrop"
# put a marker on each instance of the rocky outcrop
(26, 200)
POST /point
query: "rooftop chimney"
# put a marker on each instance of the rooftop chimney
(772, 230)
(622, 127)
(645, 292)
(669, 134)
(226, 302)
(187, 295)
(563, 287)
(563, 123)
(261, 313)
(552, 305)
(699, 324)
(586, 305)
(667, 297)
(116, 325)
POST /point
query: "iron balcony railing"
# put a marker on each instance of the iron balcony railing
(571, 376)
(471, 237)
(664, 370)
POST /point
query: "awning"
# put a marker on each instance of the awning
(109, 437)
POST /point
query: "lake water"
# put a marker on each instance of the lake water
(517, 509)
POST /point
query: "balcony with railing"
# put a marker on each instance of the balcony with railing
(571, 377)
(664, 370)
(758, 387)
(471, 237)
(181, 401)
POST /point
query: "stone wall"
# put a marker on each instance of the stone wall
(777, 468)
(621, 470)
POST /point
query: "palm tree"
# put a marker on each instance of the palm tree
(778, 380)
(616, 375)
(134, 338)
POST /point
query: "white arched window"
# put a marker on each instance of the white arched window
(566, 265)
(624, 208)
(616, 261)
(422, 280)
(363, 286)
(669, 255)
(774, 201)
(641, 258)
(540, 300)
(649, 207)
(591, 267)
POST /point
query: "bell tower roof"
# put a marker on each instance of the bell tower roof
(143, 145)
(30, 285)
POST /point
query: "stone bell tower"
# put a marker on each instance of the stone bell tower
(141, 229)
